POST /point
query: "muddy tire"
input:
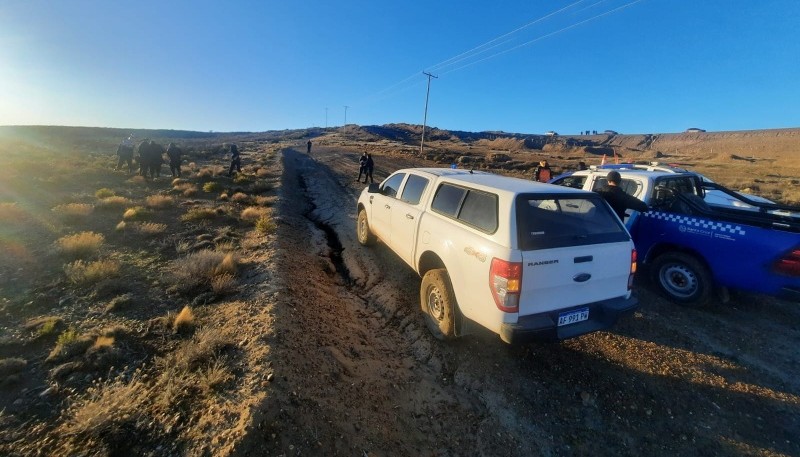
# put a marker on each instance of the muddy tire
(682, 279)
(364, 235)
(438, 303)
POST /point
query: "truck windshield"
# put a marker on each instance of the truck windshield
(554, 221)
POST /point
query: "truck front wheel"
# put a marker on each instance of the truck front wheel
(365, 236)
(438, 303)
(682, 278)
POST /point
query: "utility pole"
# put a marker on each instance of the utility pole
(425, 117)
(326, 118)
(344, 128)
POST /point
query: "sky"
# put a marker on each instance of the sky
(523, 66)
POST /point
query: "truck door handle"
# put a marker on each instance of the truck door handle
(408, 216)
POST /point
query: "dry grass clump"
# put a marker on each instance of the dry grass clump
(266, 225)
(186, 189)
(104, 192)
(184, 321)
(223, 197)
(240, 197)
(215, 376)
(178, 181)
(80, 245)
(261, 200)
(199, 214)
(223, 284)
(138, 179)
(74, 211)
(115, 202)
(44, 326)
(253, 213)
(159, 202)
(121, 227)
(137, 213)
(70, 344)
(241, 178)
(205, 172)
(86, 273)
(202, 267)
(212, 186)
(262, 173)
(151, 228)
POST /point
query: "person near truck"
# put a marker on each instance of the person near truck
(542, 173)
(174, 154)
(362, 165)
(617, 198)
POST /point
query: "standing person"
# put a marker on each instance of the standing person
(368, 169)
(236, 160)
(144, 157)
(581, 165)
(542, 173)
(362, 165)
(617, 198)
(308, 147)
(174, 154)
(125, 153)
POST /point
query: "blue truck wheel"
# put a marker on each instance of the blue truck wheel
(682, 278)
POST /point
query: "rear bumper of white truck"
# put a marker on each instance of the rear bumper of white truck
(538, 327)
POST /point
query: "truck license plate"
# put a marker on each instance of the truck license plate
(572, 317)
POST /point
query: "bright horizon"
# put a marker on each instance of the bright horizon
(633, 66)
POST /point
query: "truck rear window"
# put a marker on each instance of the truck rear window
(553, 221)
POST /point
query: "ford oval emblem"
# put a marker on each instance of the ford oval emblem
(583, 277)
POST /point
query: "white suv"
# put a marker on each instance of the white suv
(525, 260)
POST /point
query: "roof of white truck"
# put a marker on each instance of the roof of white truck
(494, 182)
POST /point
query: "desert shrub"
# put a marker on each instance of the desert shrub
(241, 179)
(223, 197)
(216, 375)
(159, 202)
(115, 202)
(205, 347)
(261, 186)
(223, 284)
(261, 200)
(80, 245)
(44, 326)
(74, 211)
(266, 225)
(102, 341)
(70, 343)
(253, 213)
(205, 172)
(151, 228)
(187, 189)
(240, 197)
(179, 181)
(119, 302)
(137, 213)
(212, 186)
(199, 214)
(121, 226)
(184, 321)
(202, 266)
(262, 173)
(105, 192)
(84, 273)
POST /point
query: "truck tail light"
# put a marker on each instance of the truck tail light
(789, 264)
(505, 281)
(633, 269)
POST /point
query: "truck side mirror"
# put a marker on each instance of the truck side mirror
(374, 188)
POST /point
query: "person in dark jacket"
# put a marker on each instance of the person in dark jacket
(174, 154)
(308, 147)
(362, 165)
(617, 198)
(236, 160)
(368, 169)
(125, 153)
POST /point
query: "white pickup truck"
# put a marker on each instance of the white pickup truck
(525, 260)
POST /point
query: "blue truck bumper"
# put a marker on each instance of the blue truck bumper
(542, 327)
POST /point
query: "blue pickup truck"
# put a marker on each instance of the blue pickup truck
(696, 247)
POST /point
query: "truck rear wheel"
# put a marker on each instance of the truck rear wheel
(682, 278)
(365, 236)
(438, 303)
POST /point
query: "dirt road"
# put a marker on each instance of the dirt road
(356, 372)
